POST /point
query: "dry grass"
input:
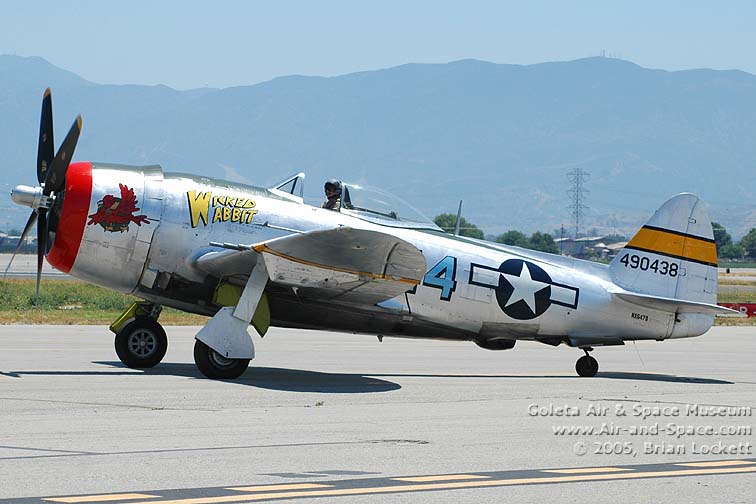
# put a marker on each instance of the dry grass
(736, 282)
(737, 296)
(68, 302)
(168, 317)
(734, 321)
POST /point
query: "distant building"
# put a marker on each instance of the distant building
(577, 247)
(610, 250)
(8, 243)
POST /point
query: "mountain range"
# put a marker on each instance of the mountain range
(500, 137)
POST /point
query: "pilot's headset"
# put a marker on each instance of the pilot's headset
(335, 185)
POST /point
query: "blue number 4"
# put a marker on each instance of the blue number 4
(443, 276)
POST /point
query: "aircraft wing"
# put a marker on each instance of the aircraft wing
(236, 261)
(345, 264)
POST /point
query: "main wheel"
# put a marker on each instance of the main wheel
(215, 366)
(586, 366)
(141, 343)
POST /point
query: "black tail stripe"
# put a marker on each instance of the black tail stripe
(679, 233)
(674, 256)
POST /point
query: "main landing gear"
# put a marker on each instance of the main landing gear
(140, 341)
(215, 366)
(586, 365)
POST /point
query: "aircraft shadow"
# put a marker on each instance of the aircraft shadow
(661, 378)
(291, 380)
(300, 380)
(614, 375)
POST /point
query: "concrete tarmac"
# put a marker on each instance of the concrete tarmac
(321, 415)
(25, 266)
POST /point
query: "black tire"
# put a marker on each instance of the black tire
(141, 343)
(586, 366)
(216, 367)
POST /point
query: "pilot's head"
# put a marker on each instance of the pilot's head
(333, 189)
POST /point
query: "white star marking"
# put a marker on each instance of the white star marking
(525, 288)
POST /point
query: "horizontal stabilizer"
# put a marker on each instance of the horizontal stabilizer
(674, 305)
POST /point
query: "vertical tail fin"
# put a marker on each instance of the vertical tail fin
(673, 255)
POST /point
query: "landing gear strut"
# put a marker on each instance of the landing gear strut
(586, 365)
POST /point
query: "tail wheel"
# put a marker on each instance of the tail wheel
(586, 366)
(215, 366)
(141, 343)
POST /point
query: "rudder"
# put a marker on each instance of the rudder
(673, 255)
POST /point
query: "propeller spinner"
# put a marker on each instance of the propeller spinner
(51, 175)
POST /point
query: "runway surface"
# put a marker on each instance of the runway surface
(25, 266)
(321, 417)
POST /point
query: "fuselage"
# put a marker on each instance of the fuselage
(472, 290)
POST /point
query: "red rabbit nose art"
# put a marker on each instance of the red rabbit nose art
(115, 214)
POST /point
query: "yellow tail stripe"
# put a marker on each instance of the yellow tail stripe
(675, 244)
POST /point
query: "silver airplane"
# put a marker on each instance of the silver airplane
(256, 256)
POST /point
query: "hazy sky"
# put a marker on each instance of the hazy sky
(187, 44)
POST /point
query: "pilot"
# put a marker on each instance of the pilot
(333, 193)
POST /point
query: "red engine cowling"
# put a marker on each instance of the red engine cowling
(102, 227)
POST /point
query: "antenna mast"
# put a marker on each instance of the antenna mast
(459, 219)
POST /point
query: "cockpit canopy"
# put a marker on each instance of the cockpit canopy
(365, 203)
(378, 206)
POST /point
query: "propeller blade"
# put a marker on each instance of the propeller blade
(29, 224)
(41, 248)
(46, 148)
(55, 178)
